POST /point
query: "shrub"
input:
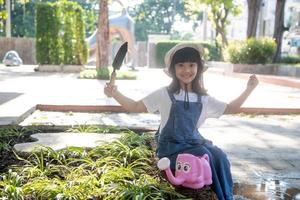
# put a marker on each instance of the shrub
(290, 59)
(48, 42)
(211, 52)
(103, 73)
(60, 20)
(253, 51)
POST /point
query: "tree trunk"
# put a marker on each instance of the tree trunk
(253, 12)
(279, 28)
(8, 19)
(102, 54)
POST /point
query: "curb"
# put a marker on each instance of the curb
(108, 108)
(80, 108)
(275, 80)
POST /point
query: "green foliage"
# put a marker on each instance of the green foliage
(253, 51)
(156, 16)
(219, 10)
(103, 73)
(81, 51)
(48, 42)
(8, 134)
(290, 59)
(118, 170)
(11, 182)
(23, 19)
(2, 14)
(210, 51)
(66, 19)
(233, 52)
(94, 129)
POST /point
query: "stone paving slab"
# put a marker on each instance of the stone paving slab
(58, 141)
(135, 120)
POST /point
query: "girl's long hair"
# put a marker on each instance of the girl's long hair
(187, 54)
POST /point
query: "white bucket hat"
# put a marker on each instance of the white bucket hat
(169, 55)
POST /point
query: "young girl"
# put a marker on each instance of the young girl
(184, 105)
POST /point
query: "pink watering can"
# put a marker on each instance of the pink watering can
(191, 171)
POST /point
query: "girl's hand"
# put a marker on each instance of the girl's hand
(110, 90)
(252, 82)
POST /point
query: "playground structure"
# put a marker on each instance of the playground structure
(121, 26)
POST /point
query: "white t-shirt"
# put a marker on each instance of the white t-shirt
(160, 101)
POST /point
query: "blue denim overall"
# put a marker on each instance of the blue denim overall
(181, 135)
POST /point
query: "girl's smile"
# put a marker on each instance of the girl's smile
(186, 72)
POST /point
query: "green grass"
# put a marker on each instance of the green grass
(123, 169)
(104, 74)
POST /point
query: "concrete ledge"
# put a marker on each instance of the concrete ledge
(270, 111)
(276, 80)
(120, 109)
(60, 68)
(80, 108)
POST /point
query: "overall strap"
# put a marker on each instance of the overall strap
(171, 96)
(199, 98)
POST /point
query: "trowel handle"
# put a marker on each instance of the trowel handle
(112, 78)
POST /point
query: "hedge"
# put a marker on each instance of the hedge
(251, 51)
(60, 20)
(48, 42)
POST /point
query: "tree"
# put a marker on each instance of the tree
(8, 18)
(2, 14)
(279, 28)
(156, 16)
(219, 10)
(102, 35)
(23, 19)
(253, 11)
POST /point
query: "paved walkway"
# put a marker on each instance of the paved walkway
(21, 89)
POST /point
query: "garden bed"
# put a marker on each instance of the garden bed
(123, 169)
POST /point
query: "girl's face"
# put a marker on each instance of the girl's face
(186, 72)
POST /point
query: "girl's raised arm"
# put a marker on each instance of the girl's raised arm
(235, 105)
(128, 104)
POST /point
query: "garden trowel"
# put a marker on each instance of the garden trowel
(118, 60)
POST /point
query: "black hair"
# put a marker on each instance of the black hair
(187, 54)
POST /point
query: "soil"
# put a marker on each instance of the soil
(7, 156)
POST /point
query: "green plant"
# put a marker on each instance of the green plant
(43, 188)
(133, 139)
(94, 129)
(290, 59)
(115, 170)
(12, 132)
(60, 33)
(44, 161)
(253, 51)
(103, 73)
(145, 187)
(12, 186)
(48, 40)
(232, 53)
